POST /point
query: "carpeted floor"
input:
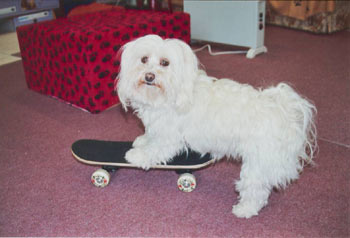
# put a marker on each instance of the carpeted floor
(44, 191)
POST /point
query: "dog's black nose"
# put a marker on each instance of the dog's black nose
(149, 77)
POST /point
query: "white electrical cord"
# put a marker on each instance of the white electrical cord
(335, 142)
(219, 53)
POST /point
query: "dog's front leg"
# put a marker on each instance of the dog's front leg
(140, 141)
(148, 152)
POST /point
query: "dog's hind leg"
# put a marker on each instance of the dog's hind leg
(268, 166)
(253, 195)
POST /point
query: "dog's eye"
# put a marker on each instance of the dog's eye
(164, 62)
(144, 59)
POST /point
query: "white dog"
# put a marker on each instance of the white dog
(271, 130)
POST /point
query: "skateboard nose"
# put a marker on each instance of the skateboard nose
(149, 77)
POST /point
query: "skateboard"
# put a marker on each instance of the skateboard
(110, 156)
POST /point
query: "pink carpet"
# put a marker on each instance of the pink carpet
(44, 191)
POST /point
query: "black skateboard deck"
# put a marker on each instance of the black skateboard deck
(111, 156)
(98, 152)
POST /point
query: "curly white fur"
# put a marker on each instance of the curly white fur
(271, 130)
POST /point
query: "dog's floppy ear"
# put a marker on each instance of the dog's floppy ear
(123, 86)
(187, 75)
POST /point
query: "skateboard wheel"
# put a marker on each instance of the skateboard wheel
(186, 182)
(100, 178)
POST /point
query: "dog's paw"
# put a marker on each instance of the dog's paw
(138, 158)
(244, 210)
(140, 141)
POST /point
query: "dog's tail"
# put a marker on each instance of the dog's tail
(302, 113)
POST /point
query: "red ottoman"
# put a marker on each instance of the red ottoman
(75, 60)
